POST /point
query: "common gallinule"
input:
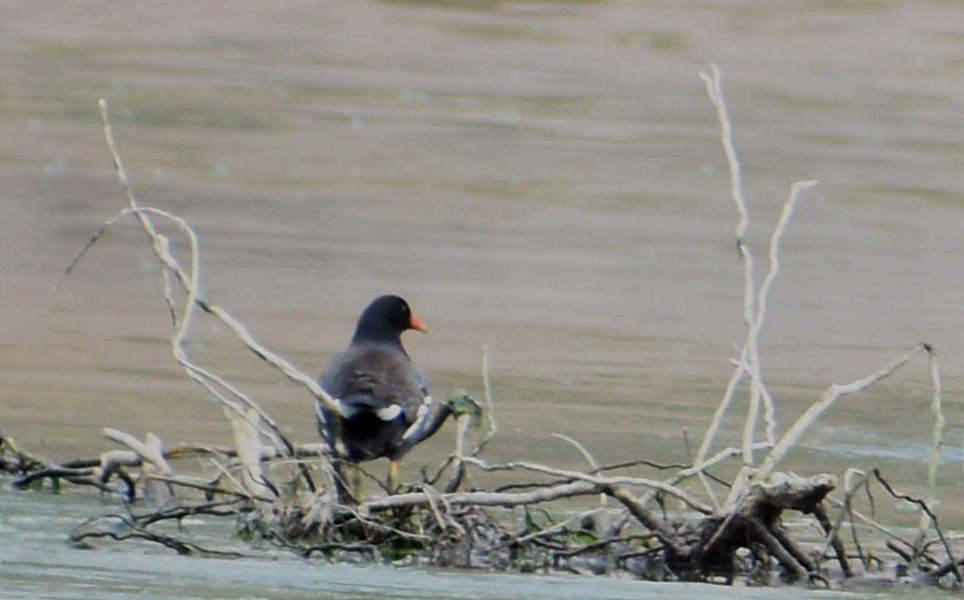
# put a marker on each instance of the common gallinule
(382, 399)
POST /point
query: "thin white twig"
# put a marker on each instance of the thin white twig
(834, 392)
(754, 306)
(578, 446)
(247, 440)
(937, 435)
(758, 391)
(200, 375)
(795, 190)
(536, 496)
(151, 450)
(603, 498)
(714, 88)
(87, 246)
(850, 489)
(191, 286)
(493, 428)
(597, 480)
(560, 526)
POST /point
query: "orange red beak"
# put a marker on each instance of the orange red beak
(415, 323)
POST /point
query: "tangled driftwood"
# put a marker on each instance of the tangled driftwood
(663, 527)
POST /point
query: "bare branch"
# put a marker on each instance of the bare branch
(937, 434)
(933, 519)
(538, 496)
(835, 391)
(598, 480)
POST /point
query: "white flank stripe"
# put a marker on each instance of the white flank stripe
(420, 417)
(389, 413)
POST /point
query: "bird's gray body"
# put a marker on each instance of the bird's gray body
(380, 395)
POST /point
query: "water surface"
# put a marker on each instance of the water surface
(41, 565)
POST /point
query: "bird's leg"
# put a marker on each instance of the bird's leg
(347, 482)
(392, 476)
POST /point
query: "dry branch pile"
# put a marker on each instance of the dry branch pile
(688, 525)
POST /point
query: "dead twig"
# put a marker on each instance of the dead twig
(956, 568)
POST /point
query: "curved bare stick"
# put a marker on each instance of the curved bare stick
(489, 405)
(538, 496)
(714, 89)
(433, 498)
(758, 390)
(835, 391)
(872, 523)
(146, 224)
(200, 375)
(958, 573)
(558, 527)
(754, 303)
(132, 530)
(247, 439)
(716, 459)
(210, 488)
(795, 190)
(601, 482)
(832, 530)
(636, 508)
(699, 470)
(161, 249)
(585, 454)
(582, 449)
(188, 283)
(273, 359)
(150, 451)
(87, 246)
(937, 434)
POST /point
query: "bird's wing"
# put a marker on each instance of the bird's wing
(380, 380)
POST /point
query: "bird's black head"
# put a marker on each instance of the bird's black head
(385, 319)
